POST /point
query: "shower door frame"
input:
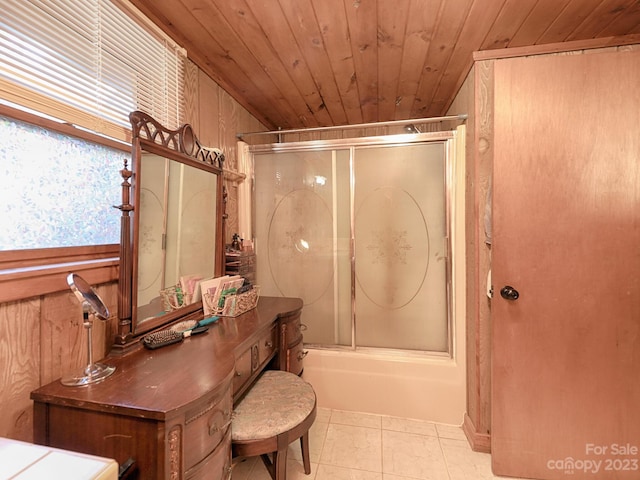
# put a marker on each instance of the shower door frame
(448, 139)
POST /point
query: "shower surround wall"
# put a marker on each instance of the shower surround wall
(408, 358)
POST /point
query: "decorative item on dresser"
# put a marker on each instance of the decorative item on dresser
(241, 262)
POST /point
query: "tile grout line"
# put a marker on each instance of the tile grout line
(444, 457)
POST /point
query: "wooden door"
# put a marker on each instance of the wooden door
(566, 236)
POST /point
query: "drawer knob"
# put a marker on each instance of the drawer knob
(268, 344)
(302, 354)
(238, 374)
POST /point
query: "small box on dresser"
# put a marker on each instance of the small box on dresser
(241, 262)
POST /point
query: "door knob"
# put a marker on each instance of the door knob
(509, 293)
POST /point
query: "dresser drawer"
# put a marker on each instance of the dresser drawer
(242, 370)
(217, 466)
(295, 356)
(267, 345)
(292, 331)
(253, 359)
(206, 426)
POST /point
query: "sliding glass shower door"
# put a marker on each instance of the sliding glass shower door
(360, 233)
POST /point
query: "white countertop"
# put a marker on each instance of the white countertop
(26, 461)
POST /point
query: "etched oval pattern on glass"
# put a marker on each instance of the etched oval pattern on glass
(393, 248)
(300, 245)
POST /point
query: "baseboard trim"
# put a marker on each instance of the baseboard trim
(480, 442)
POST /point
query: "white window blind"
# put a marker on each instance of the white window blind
(89, 63)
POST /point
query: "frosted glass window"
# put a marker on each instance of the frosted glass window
(57, 190)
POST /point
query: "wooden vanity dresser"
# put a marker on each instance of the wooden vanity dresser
(170, 409)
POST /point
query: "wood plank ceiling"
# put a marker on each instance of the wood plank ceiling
(309, 63)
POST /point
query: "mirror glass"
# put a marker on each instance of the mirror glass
(172, 226)
(177, 232)
(92, 304)
(86, 294)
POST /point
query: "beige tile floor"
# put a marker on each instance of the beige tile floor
(359, 446)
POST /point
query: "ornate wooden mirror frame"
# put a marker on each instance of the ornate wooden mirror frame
(182, 146)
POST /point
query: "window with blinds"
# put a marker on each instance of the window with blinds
(73, 70)
(88, 62)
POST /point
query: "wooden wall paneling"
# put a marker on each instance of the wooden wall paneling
(19, 366)
(291, 137)
(465, 102)
(335, 36)
(304, 137)
(537, 22)
(561, 28)
(64, 345)
(209, 111)
(243, 23)
(419, 32)
(229, 121)
(362, 20)
(313, 136)
(104, 332)
(605, 13)
(392, 24)
(191, 97)
(232, 224)
(63, 348)
(450, 22)
(477, 424)
(335, 135)
(485, 146)
(248, 123)
(472, 34)
(375, 131)
(327, 108)
(628, 22)
(472, 277)
(254, 125)
(233, 118)
(287, 48)
(364, 132)
(505, 26)
(332, 52)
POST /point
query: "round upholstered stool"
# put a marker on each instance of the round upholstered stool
(278, 409)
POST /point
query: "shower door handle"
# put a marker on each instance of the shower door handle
(509, 293)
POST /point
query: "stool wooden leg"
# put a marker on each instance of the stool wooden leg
(280, 464)
(304, 446)
(277, 464)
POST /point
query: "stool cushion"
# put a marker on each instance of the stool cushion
(275, 404)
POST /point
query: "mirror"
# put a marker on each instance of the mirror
(92, 304)
(87, 296)
(172, 229)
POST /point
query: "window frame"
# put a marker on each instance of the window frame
(34, 272)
